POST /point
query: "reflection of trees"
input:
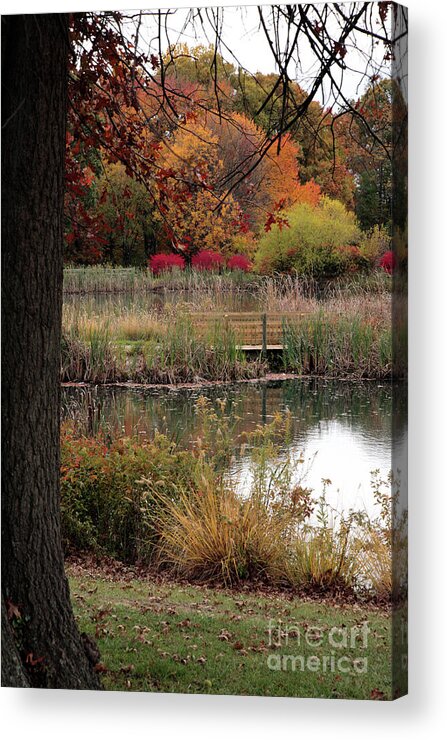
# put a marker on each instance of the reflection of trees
(366, 408)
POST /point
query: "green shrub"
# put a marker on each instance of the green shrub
(314, 244)
(374, 243)
(104, 506)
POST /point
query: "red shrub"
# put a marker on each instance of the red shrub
(388, 262)
(207, 260)
(164, 262)
(239, 262)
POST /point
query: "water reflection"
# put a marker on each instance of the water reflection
(343, 428)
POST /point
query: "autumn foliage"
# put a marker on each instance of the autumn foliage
(388, 262)
(173, 183)
(159, 263)
(239, 262)
(207, 260)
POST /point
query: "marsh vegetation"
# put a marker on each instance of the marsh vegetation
(339, 330)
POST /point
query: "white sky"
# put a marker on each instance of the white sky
(246, 40)
(241, 28)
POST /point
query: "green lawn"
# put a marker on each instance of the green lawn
(162, 636)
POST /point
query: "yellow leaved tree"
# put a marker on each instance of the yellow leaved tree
(197, 215)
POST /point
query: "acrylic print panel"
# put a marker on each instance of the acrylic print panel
(222, 477)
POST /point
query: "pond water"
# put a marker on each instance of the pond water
(344, 430)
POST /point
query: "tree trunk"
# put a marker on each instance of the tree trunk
(41, 643)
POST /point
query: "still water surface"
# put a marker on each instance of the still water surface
(345, 430)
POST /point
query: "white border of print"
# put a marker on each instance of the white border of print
(83, 714)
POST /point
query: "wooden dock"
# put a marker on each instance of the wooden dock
(255, 331)
(259, 347)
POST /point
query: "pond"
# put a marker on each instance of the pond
(345, 430)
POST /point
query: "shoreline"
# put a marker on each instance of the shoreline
(269, 378)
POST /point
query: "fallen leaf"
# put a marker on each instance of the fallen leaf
(377, 695)
(31, 660)
(13, 610)
(100, 668)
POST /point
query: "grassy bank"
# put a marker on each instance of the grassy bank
(157, 635)
(340, 346)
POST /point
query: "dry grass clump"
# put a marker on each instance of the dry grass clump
(134, 327)
(216, 536)
(287, 293)
(127, 324)
(372, 307)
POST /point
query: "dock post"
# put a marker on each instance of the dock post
(264, 335)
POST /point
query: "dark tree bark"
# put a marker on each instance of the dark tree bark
(41, 643)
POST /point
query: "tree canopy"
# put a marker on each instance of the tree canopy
(140, 104)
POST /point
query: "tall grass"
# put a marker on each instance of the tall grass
(362, 283)
(185, 355)
(166, 355)
(288, 293)
(110, 279)
(285, 290)
(144, 348)
(347, 334)
(121, 322)
(88, 357)
(105, 279)
(340, 346)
